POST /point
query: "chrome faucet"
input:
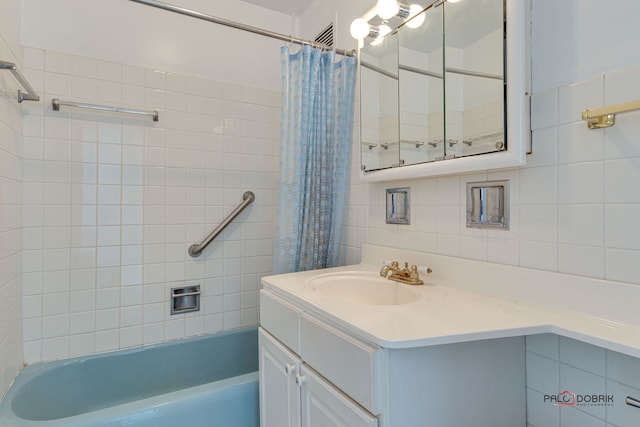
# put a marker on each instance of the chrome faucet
(406, 275)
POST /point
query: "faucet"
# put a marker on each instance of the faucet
(406, 275)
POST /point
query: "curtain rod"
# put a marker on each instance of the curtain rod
(239, 26)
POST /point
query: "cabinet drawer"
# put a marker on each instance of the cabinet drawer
(324, 405)
(352, 365)
(281, 319)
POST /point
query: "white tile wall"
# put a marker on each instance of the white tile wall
(555, 364)
(10, 211)
(114, 201)
(573, 206)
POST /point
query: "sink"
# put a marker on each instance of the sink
(362, 287)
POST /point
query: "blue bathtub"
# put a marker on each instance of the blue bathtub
(199, 382)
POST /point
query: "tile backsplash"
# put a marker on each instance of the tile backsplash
(112, 202)
(573, 206)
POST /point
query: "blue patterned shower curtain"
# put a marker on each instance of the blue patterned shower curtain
(315, 152)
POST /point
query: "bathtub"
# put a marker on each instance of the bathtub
(199, 382)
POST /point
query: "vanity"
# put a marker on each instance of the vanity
(317, 372)
(337, 347)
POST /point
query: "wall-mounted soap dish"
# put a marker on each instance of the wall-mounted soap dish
(488, 204)
(185, 299)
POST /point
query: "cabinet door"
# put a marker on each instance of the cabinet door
(323, 405)
(279, 393)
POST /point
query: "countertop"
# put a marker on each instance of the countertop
(450, 311)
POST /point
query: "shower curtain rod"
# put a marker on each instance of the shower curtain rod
(239, 26)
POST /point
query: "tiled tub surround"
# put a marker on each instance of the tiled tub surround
(112, 203)
(10, 207)
(574, 206)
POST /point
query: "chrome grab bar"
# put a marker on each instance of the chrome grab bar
(56, 103)
(247, 198)
(30, 94)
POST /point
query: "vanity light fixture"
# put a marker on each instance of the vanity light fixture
(415, 18)
(387, 9)
(383, 31)
(360, 29)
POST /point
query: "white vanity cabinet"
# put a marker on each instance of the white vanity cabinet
(279, 391)
(324, 405)
(292, 394)
(314, 373)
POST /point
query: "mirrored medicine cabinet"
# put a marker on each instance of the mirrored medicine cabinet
(449, 96)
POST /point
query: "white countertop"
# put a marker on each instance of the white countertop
(462, 308)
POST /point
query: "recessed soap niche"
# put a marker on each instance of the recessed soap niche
(185, 299)
(398, 211)
(488, 205)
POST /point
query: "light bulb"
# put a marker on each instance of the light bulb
(416, 18)
(359, 28)
(387, 9)
(383, 31)
(453, 1)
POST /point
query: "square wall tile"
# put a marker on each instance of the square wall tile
(621, 86)
(539, 255)
(544, 109)
(539, 185)
(539, 222)
(621, 140)
(581, 224)
(581, 260)
(542, 373)
(583, 356)
(578, 143)
(581, 183)
(541, 413)
(570, 417)
(621, 177)
(618, 233)
(622, 265)
(621, 414)
(579, 96)
(547, 345)
(623, 369)
(583, 382)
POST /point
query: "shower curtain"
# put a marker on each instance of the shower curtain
(315, 152)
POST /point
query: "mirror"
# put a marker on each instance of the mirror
(449, 97)
(421, 89)
(474, 78)
(379, 114)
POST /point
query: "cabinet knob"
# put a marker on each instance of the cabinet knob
(288, 368)
(300, 379)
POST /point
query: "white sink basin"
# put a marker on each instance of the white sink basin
(362, 287)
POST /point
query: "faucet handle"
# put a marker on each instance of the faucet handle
(423, 269)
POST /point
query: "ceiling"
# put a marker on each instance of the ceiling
(287, 7)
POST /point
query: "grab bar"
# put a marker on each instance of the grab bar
(56, 103)
(31, 94)
(248, 197)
